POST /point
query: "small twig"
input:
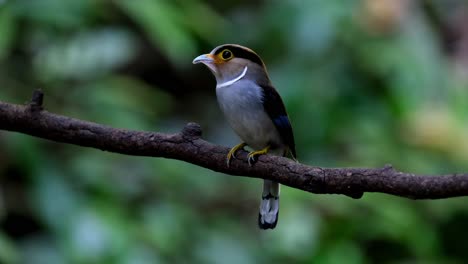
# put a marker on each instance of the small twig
(36, 100)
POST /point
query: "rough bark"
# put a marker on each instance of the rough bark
(188, 146)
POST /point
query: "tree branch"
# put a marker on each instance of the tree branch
(188, 146)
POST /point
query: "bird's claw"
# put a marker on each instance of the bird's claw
(232, 153)
(252, 157)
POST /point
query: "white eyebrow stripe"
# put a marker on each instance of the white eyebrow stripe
(224, 84)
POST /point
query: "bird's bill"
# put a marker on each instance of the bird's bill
(207, 59)
(204, 58)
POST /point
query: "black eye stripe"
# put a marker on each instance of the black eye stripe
(239, 52)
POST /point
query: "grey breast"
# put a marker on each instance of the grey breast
(242, 106)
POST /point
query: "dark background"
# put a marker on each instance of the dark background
(365, 83)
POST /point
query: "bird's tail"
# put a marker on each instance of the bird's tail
(269, 207)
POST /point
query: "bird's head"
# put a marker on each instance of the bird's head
(229, 61)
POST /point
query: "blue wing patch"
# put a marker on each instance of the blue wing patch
(275, 109)
(282, 122)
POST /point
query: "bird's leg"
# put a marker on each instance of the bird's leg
(251, 158)
(232, 152)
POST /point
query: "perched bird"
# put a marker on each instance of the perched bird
(254, 110)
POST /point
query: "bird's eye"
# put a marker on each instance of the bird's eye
(226, 54)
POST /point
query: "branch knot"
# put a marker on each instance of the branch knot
(192, 130)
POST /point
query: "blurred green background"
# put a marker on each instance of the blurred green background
(366, 83)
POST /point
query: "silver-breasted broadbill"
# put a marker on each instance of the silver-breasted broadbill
(255, 111)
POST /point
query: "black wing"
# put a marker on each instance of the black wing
(275, 109)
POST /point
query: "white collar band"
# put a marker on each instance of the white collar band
(224, 84)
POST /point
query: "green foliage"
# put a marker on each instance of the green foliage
(366, 83)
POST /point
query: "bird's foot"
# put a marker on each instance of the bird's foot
(232, 152)
(252, 157)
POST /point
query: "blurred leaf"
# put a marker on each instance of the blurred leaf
(341, 252)
(120, 101)
(298, 235)
(8, 251)
(98, 234)
(62, 14)
(167, 227)
(39, 249)
(51, 185)
(162, 20)
(24, 149)
(211, 25)
(7, 30)
(140, 254)
(87, 55)
(218, 247)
